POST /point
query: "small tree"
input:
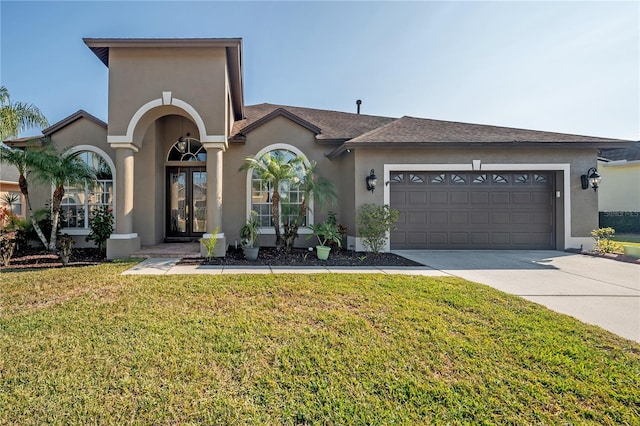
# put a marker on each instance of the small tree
(59, 170)
(25, 161)
(8, 234)
(101, 226)
(275, 169)
(16, 117)
(374, 224)
(311, 185)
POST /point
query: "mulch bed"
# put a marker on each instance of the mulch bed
(40, 259)
(269, 256)
(613, 256)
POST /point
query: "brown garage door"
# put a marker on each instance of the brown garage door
(473, 210)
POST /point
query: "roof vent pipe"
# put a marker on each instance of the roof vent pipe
(358, 103)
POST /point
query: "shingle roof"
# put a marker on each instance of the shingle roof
(631, 153)
(421, 130)
(334, 125)
(353, 130)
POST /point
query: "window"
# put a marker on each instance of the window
(187, 149)
(290, 192)
(79, 203)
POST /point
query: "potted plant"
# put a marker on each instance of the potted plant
(325, 232)
(248, 235)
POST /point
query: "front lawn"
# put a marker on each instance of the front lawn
(87, 345)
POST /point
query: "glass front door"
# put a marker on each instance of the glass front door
(186, 201)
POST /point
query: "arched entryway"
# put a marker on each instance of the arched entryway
(186, 196)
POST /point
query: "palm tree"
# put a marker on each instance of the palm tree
(310, 185)
(24, 161)
(16, 117)
(275, 169)
(59, 170)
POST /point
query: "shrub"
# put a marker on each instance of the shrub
(66, 248)
(603, 242)
(101, 225)
(374, 222)
(7, 245)
(210, 245)
(326, 232)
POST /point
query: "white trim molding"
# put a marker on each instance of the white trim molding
(210, 236)
(166, 99)
(298, 153)
(112, 166)
(124, 236)
(123, 145)
(565, 168)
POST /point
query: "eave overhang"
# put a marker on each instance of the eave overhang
(233, 46)
(70, 119)
(614, 143)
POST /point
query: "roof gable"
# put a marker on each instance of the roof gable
(70, 119)
(279, 112)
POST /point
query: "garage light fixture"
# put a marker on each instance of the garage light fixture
(591, 179)
(372, 181)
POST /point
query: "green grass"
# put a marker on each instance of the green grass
(87, 345)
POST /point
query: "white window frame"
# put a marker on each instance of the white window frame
(82, 148)
(269, 230)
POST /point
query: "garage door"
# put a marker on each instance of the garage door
(473, 210)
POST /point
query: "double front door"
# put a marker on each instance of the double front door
(186, 202)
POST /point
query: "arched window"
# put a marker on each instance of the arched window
(80, 202)
(187, 149)
(290, 193)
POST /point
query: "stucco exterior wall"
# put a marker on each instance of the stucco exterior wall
(280, 130)
(140, 75)
(583, 204)
(620, 187)
(349, 185)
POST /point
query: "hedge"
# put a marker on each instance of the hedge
(622, 222)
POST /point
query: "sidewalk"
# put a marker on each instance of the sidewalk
(169, 266)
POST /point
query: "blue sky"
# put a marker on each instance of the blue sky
(571, 67)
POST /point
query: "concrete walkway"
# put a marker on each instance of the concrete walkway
(169, 266)
(594, 290)
(597, 291)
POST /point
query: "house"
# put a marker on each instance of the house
(179, 131)
(10, 195)
(619, 192)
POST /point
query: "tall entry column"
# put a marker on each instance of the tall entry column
(214, 199)
(123, 242)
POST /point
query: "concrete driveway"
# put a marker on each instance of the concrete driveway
(594, 290)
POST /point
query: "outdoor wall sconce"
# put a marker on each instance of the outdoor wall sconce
(591, 179)
(372, 181)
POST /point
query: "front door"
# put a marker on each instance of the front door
(186, 202)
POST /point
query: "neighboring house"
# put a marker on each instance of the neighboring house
(619, 191)
(10, 190)
(179, 131)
